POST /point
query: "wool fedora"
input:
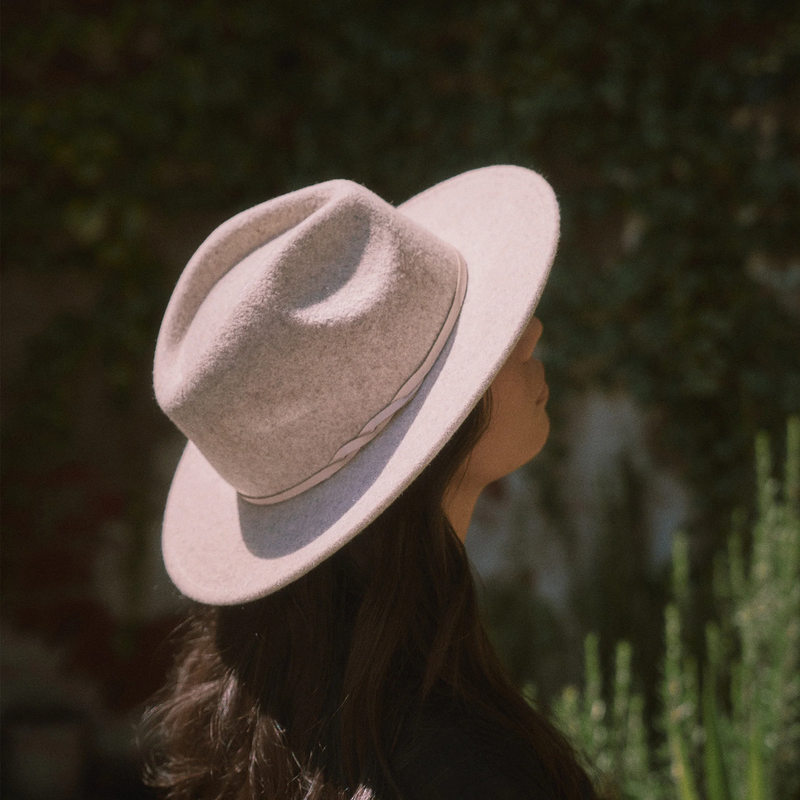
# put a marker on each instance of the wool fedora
(319, 350)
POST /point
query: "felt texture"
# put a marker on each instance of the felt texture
(254, 302)
(300, 342)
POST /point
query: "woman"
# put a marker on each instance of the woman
(350, 376)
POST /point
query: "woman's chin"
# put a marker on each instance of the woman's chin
(535, 441)
(539, 439)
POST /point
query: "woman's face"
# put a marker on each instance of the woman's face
(519, 424)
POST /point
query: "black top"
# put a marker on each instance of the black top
(451, 758)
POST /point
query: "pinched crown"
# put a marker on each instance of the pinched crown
(294, 325)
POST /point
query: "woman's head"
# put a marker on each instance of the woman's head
(350, 376)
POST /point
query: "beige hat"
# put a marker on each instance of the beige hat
(319, 349)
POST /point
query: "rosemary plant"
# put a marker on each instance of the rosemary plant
(730, 728)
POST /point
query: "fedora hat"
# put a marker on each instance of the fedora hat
(319, 350)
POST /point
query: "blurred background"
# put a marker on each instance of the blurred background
(671, 134)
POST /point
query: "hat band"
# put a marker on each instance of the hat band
(348, 451)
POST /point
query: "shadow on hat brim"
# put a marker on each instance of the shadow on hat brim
(221, 550)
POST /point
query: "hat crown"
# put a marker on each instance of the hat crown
(293, 325)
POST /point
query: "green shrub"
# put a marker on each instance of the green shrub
(731, 729)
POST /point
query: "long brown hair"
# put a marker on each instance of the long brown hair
(305, 693)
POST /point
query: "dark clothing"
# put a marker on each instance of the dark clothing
(447, 764)
(450, 758)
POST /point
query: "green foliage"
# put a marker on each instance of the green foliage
(733, 731)
(615, 740)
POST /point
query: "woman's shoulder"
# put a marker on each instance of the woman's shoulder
(453, 757)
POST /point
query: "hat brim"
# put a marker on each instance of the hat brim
(221, 550)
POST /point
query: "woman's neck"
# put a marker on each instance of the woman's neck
(459, 504)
